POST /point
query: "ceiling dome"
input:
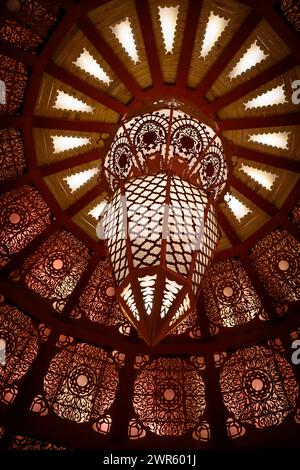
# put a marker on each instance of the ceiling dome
(73, 371)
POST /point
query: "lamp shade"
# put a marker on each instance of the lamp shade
(160, 228)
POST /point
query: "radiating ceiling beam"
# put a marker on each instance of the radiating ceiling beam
(47, 52)
(277, 220)
(14, 52)
(280, 25)
(15, 183)
(73, 299)
(266, 301)
(11, 121)
(144, 15)
(32, 383)
(254, 197)
(106, 51)
(65, 220)
(68, 163)
(246, 28)
(259, 80)
(187, 45)
(46, 122)
(94, 93)
(40, 308)
(267, 159)
(292, 119)
(227, 228)
(84, 200)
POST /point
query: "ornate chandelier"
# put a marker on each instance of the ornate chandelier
(166, 169)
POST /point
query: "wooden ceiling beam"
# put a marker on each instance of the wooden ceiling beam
(15, 183)
(92, 92)
(254, 197)
(84, 200)
(11, 121)
(274, 120)
(87, 5)
(245, 29)
(281, 26)
(187, 45)
(144, 15)
(47, 52)
(32, 383)
(62, 165)
(94, 154)
(45, 122)
(267, 159)
(227, 228)
(65, 219)
(42, 309)
(106, 51)
(278, 220)
(74, 297)
(14, 52)
(248, 86)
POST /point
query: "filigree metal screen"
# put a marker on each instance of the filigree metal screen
(161, 231)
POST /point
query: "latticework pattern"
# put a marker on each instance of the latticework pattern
(229, 297)
(169, 396)
(276, 258)
(258, 386)
(81, 383)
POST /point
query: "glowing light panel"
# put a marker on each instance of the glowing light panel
(269, 98)
(253, 56)
(79, 179)
(273, 139)
(70, 103)
(214, 28)
(168, 20)
(88, 64)
(238, 209)
(97, 210)
(262, 177)
(124, 34)
(61, 143)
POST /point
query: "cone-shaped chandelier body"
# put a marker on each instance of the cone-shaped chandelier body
(166, 170)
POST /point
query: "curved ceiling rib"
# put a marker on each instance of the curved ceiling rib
(104, 49)
(248, 25)
(143, 12)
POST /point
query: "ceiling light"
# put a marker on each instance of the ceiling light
(214, 28)
(97, 210)
(88, 64)
(70, 103)
(124, 34)
(252, 57)
(159, 250)
(262, 177)
(273, 139)
(238, 209)
(269, 98)
(79, 179)
(168, 19)
(61, 143)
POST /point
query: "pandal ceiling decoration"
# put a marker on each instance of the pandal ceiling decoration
(166, 170)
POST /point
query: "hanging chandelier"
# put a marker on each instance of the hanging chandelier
(166, 169)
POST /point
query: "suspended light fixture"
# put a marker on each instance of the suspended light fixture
(166, 169)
